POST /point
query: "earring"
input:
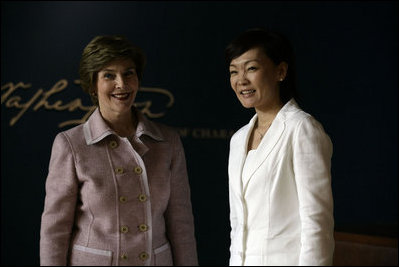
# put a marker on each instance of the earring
(281, 79)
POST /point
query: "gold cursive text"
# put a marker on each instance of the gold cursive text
(42, 99)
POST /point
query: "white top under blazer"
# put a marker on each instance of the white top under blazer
(282, 214)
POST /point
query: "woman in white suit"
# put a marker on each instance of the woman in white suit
(281, 205)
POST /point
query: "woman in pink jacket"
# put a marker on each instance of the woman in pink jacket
(117, 191)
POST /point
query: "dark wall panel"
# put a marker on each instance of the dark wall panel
(347, 64)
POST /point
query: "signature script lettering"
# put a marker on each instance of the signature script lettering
(45, 100)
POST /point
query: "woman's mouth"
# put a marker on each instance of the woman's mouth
(121, 96)
(247, 93)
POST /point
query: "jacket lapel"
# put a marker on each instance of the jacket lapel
(269, 141)
(265, 147)
(237, 159)
(146, 128)
(95, 129)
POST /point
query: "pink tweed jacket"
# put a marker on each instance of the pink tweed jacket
(110, 203)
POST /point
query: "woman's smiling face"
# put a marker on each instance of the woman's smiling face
(117, 86)
(255, 78)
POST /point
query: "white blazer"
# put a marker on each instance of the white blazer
(283, 214)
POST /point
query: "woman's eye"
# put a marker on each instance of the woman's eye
(108, 76)
(252, 68)
(232, 72)
(130, 73)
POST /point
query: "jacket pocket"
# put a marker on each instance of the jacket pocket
(163, 255)
(281, 250)
(85, 256)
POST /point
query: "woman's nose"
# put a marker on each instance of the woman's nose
(119, 82)
(242, 79)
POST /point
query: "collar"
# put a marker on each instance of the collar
(95, 128)
(287, 110)
(282, 115)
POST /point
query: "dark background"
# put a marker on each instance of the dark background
(347, 65)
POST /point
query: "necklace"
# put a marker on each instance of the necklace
(260, 133)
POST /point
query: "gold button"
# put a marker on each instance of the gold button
(138, 170)
(142, 197)
(123, 199)
(123, 256)
(113, 144)
(119, 170)
(143, 227)
(124, 229)
(143, 256)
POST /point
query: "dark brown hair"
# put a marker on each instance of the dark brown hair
(275, 46)
(99, 52)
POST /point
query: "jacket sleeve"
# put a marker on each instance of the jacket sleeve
(312, 152)
(59, 206)
(232, 200)
(179, 216)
